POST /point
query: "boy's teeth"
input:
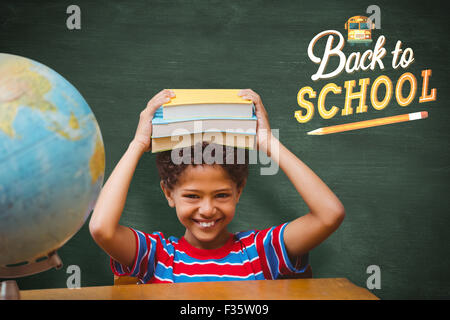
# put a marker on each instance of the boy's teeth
(207, 224)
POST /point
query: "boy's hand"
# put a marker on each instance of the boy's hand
(144, 129)
(263, 131)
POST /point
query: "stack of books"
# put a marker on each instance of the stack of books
(212, 115)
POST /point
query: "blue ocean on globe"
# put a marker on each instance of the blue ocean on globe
(52, 160)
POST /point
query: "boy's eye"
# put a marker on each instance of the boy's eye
(194, 196)
(222, 195)
(191, 196)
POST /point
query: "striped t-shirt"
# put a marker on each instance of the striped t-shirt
(248, 255)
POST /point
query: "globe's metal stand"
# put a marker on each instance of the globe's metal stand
(9, 289)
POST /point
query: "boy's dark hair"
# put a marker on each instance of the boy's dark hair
(170, 172)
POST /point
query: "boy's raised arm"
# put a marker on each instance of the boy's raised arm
(326, 210)
(118, 241)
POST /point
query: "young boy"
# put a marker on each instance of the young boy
(205, 197)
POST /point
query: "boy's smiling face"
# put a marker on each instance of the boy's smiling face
(205, 199)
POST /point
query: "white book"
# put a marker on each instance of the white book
(239, 125)
(206, 110)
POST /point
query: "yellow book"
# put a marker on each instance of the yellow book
(238, 140)
(198, 96)
(207, 103)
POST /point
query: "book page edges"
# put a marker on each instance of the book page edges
(244, 141)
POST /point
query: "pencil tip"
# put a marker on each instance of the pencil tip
(314, 132)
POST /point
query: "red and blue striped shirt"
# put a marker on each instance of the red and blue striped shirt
(248, 255)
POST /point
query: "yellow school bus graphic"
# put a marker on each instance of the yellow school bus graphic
(359, 30)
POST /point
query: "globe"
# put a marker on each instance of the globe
(52, 160)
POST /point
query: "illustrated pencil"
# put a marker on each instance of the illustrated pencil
(369, 123)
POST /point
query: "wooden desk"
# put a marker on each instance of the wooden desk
(309, 289)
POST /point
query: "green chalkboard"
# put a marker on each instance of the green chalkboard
(392, 180)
